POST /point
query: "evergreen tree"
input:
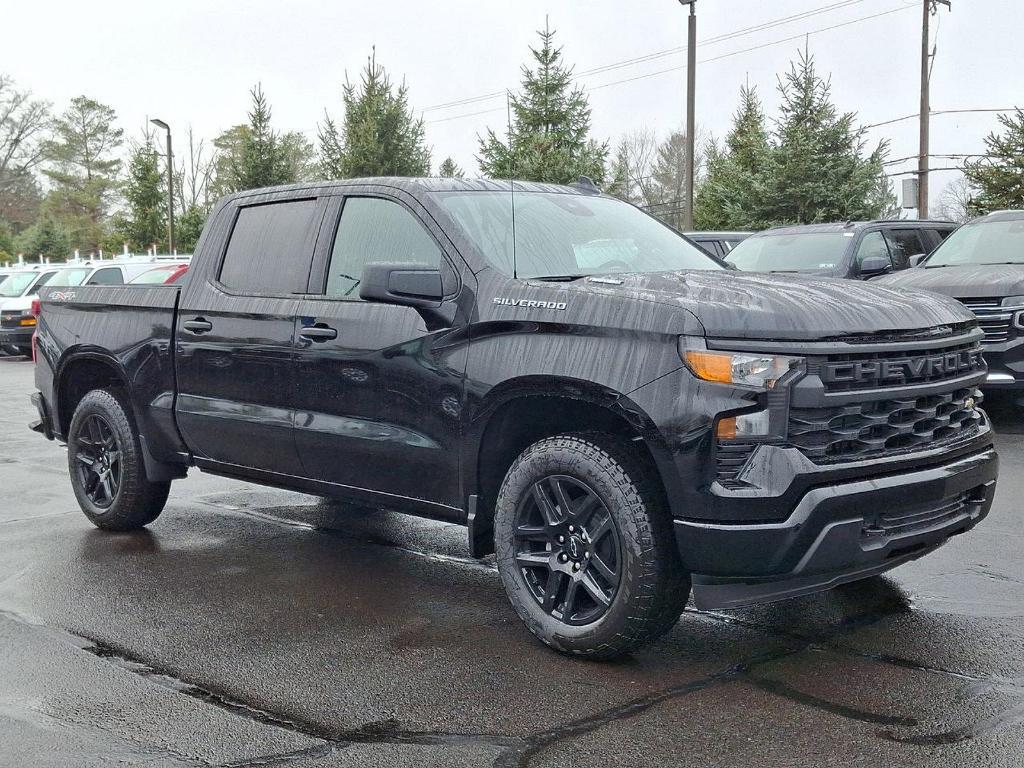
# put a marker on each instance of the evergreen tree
(45, 238)
(188, 228)
(668, 176)
(6, 241)
(450, 170)
(549, 137)
(379, 135)
(729, 195)
(228, 148)
(817, 169)
(263, 159)
(144, 220)
(83, 168)
(999, 178)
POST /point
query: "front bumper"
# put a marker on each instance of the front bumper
(1005, 365)
(19, 337)
(837, 533)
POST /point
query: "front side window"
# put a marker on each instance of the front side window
(555, 235)
(904, 244)
(270, 250)
(375, 230)
(872, 247)
(107, 276)
(988, 241)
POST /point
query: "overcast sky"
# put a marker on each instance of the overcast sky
(193, 62)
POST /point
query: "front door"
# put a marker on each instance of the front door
(235, 340)
(380, 387)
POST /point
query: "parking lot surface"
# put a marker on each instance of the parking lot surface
(255, 627)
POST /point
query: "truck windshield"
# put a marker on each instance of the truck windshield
(791, 252)
(981, 242)
(564, 235)
(69, 277)
(17, 283)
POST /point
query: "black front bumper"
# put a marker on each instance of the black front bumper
(837, 533)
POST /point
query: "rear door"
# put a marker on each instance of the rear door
(380, 387)
(236, 320)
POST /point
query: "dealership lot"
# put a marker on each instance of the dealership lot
(250, 626)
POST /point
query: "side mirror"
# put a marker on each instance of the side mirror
(916, 259)
(873, 266)
(408, 285)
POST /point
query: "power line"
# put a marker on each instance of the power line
(770, 24)
(933, 113)
(703, 61)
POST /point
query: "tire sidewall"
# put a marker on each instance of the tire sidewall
(103, 403)
(620, 501)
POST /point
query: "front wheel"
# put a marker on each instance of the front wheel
(585, 547)
(107, 471)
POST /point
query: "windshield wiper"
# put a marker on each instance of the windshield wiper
(558, 278)
(994, 263)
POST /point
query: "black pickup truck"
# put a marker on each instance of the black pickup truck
(613, 411)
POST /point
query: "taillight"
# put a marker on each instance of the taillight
(37, 308)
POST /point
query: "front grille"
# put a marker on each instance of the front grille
(926, 374)
(11, 318)
(884, 427)
(993, 319)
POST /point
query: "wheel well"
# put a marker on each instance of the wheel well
(79, 378)
(519, 423)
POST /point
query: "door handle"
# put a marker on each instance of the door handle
(318, 332)
(197, 325)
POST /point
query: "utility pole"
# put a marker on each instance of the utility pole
(170, 186)
(691, 126)
(928, 7)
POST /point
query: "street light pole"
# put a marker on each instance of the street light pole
(170, 185)
(691, 126)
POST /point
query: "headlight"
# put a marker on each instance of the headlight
(743, 369)
(1013, 301)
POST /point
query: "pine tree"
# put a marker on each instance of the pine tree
(379, 135)
(817, 169)
(263, 160)
(999, 178)
(189, 227)
(449, 169)
(143, 222)
(46, 238)
(729, 195)
(83, 167)
(549, 137)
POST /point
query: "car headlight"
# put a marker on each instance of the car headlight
(743, 369)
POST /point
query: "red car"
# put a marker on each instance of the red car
(165, 274)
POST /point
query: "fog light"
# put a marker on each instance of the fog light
(754, 424)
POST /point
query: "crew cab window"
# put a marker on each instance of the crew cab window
(872, 246)
(374, 229)
(107, 276)
(270, 248)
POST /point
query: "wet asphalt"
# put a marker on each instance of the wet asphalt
(256, 627)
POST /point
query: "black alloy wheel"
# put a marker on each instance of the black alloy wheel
(568, 549)
(98, 461)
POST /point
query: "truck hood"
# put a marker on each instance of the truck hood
(783, 306)
(978, 281)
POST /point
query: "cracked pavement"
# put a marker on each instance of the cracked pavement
(257, 627)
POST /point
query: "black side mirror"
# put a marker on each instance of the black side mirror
(916, 259)
(409, 285)
(873, 266)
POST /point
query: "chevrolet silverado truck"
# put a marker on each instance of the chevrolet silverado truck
(613, 412)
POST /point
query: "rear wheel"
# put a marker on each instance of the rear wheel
(107, 471)
(585, 547)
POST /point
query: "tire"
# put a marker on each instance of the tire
(116, 496)
(621, 528)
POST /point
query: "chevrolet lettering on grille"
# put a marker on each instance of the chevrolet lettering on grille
(898, 369)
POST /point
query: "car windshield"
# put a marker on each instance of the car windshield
(69, 277)
(17, 283)
(791, 252)
(981, 242)
(564, 235)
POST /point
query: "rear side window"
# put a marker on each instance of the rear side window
(373, 229)
(107, 276)
(270, 250)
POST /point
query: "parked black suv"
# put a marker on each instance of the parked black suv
(856, 249)
(718, 244)
(982, 265)
(599, 400)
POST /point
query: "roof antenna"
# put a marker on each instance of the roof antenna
(511, 180)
